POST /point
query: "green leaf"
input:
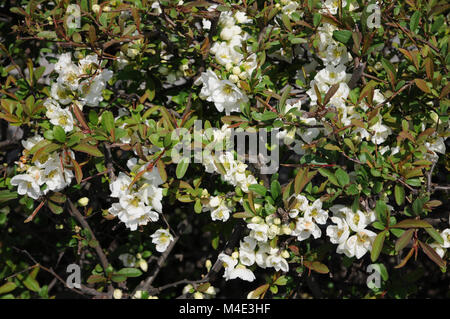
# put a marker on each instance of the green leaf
(95, 279)
(342, 35)
(281, 281)
(286, 21)
(182, 167)
(342, 177)
(258, 189)
(107, 121)
(404, 239)
(317, 266)
(31, 284)
(414, 21)
(129, 272)
(431, 253)
(89, 149)
(412, 223)
(284, 96)
(56, 209)
(118, 278)
(59, 134)
(275, 189)
(243, 215)
(435, 235)
(6, 195)
(378, 245)
(8, 287)
(381, 210)
(328, 174)
(399, 193)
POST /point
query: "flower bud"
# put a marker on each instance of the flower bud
(285, 254)
(236, 70)
(208, 265)
(198, 295)
(233, 78)
(235, 255)
(83, 201)
(286, 230)
(96, 8)
(256, 220)
(143, 265)
(117, 294)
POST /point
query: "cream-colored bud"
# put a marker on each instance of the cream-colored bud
(235, 255)
(228, 66)
(277, 221)
(285, 229)
(285, 254)
(243, 75)
(256, 220)
(233, 78)
(143, 265)
(83, 201)
(187, 289)
(96, 8)
(208, 265)
(198, 295)
(236, 70)
(210, 291)
(117, 294)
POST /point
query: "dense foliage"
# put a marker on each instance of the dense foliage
(98, 98)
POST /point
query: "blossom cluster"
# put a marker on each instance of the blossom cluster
(225, 93)
(52, 172)
(140, 202)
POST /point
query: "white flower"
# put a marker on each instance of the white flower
(316, 213)
(277, 262)
(226, 18)
(301, 205)
(331, 74)
(221, 213)
(229, 33)
(92, 89)
(338, 233)
(162, 238)
(332, 6)
(242, 272)
(61, 117)
(233, 270)
(258, 231)
(304, 229)
(446, 236)
(241, 17)
(380, 132)
(27, 184)
(290, 8)
(88, 63)
(247, 257)
(359, 243)
(335, 54)
(61, 93)
(56, 177)
(206, 24)
(357, 221)
(438, 146)
(119, 187)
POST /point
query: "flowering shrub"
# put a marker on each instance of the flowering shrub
(119, 121)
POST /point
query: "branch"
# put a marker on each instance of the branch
(98, 249)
